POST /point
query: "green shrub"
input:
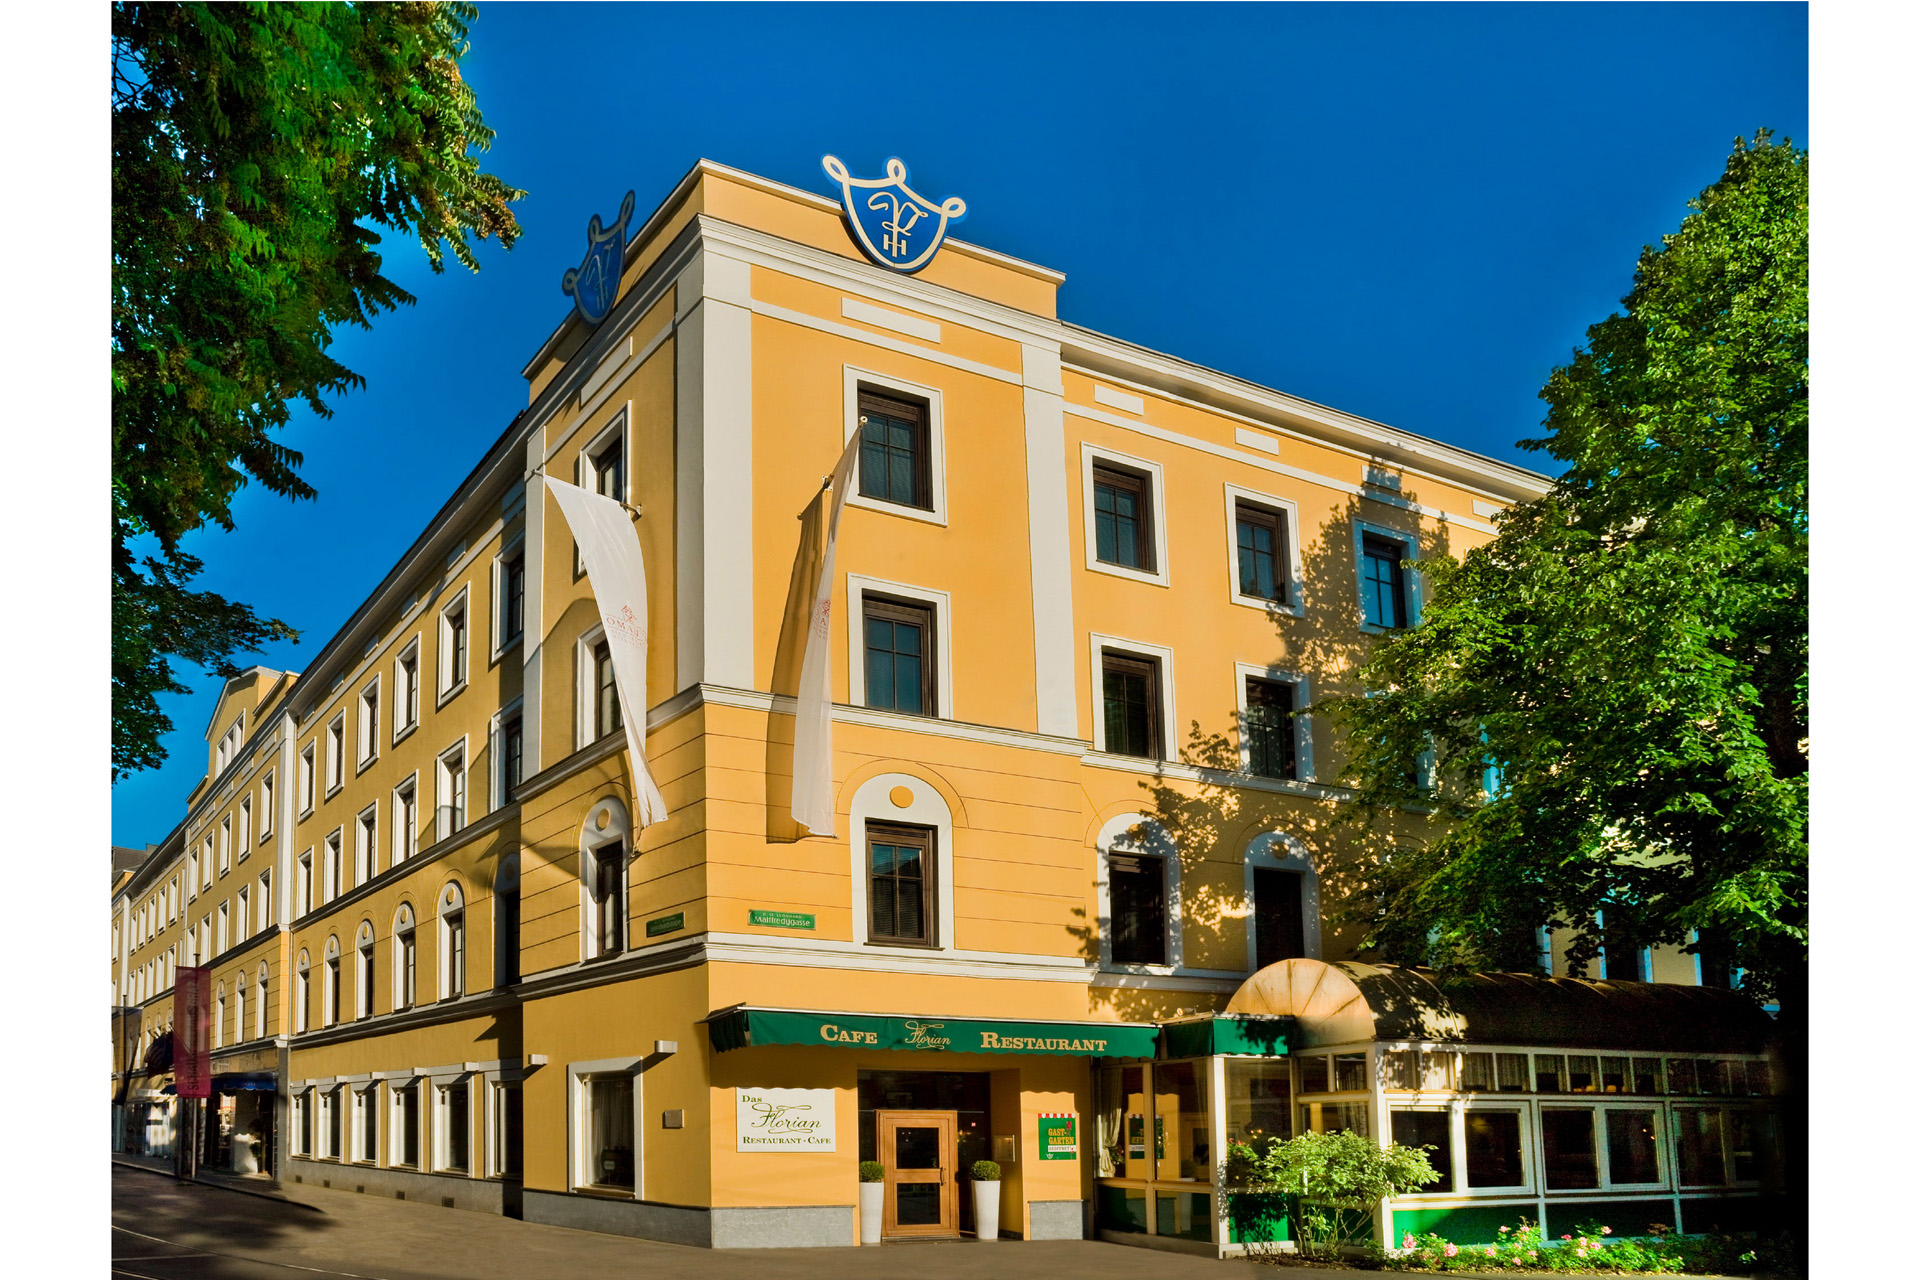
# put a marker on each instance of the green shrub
(1594, 1249)
(1332, 1181)
(986, 1171)
(872, 1171)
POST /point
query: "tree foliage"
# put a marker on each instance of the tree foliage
(1626, 661)
(257, 150)
(1332, 1182)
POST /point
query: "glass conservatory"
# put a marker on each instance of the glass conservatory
(1562, 1101)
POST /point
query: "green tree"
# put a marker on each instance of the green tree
(1614, 689)
(1332, 1183)
(257, 149)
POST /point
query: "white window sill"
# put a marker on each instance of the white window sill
(1158, 579)
(404, 732)
(1271, 607)
(922, 514)
(450, 695)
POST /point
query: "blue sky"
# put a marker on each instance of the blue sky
(1411, 212)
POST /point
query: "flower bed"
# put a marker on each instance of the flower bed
(1594, 1249)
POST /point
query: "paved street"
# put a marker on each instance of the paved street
(164, 1230)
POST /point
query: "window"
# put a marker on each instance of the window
(1432, 1130)
(405, 960)
(606, 697)
(1137, 884)
(453, 645)
(900, 880)
(406, 679)
(369, 722)
(240, 1007)
(303, 884)
(266, 805)
(512, 594)
(303, 1122)
(454, 1125)
(243, 918)
(220, 932)
(406, 821)
(226, 844)
(610, 1130)
(1267, 729)
(508, 1131)
(1633, 1146)
(336, 752)
(1493, 1148)
(220, 1017)
(453, 943)
(1261, 563)
(244, 845)
(894, 451)
(330, 1122)
(899, 655)
(452, 786)
(1279, 927)
(331, 882)
(506, 922)
(1567, 1146)
(512, 747)
(1383, 586)
(608, 904)
(365, 977)
(1493, 1072)
(405, 1124)
(367, 1103)
(366, 845)
(302, 994)
(332, 993)
(306, 780)
(1123, 518)
(260, 1004)
(193, 871)
(607, 465)
(1130, 691)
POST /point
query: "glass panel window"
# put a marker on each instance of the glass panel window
(1512, 1069)
(1261, 546)
(1383, 592)
(366, 979)
(1751, 1142)
(1583, 1074)
(409, 707)
(894, 465)
(1313, 1074)
(606, 701)
(369, 1099)
(1401, 1069)
(610, 900)
(1183, 1149)
(331, 1103)
(1759, 1078)
(900, 884)
(609, 466)
(1646, 1075)
(1566, 1139)
(1702, 1159)
(409, 973)
(513, 590)
(1137, 889)
(456, 953)
(1268, 726)
(610, 1138)
(1633, 1146)
(1279, 928)
(1122, 519)
(1680, 1077)
(511, 756)
(455, 1126)
(1616, 1075)
(1121, 1109)
(1349, 1072)
(1716, 1076)
(406, 1125)
(1334, 1117)
(1549, 1073)
(1493, 1148)
(1432, 1130)
(507, 1131)
(1130, 693)
(1476, 1072)
(899, 656)
(1259, 1094)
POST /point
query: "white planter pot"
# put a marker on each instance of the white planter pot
(986, 1209)
(873, 1197)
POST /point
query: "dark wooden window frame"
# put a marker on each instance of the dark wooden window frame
(1114, 476)
(924, 839)
(1289, 734)
(605, 685)
(609, 891)
(893, 609)
(1246, 512)
(1115, 864)
(919, 413)
(1112, 660)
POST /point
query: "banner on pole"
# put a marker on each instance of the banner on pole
(813, 709)
(192, 1054)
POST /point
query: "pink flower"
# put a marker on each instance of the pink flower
(1452, 1249)
(1606, 1231)
(1504, 1230)
(1408, 1242)
(1489, 1251)
(1566, 1237)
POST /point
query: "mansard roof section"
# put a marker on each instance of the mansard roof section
(1104, 355)
(246, 692)
(158, 861)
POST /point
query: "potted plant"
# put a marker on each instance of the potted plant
(986, 1199)
(873, 1191)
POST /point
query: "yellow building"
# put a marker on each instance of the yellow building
(1080, 589)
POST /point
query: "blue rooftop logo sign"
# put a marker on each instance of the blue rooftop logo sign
(595, 283)
(893, 224)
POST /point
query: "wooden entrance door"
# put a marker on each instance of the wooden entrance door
(918, 1150)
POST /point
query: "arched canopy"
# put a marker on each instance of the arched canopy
(1347, 1002)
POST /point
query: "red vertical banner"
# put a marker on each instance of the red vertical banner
(192, 1065)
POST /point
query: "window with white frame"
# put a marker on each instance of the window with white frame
(240, 1007)
(206, 862)
(364, 968)
(366, 1124)
(193, 872)
(302, 993)
(1124, 506)
(507, 1125)
(1275, 736)
(243, 917)
(901, 426)
(506, 921)
(333, 884)
(302, 1142)
(220, 931)
(453, 943)
(598, 710)
(510, 597)
(509, 755)
(1139, 894)
(244, 829)
(1263, 564)
(453, 1126)
(404, 1123)
(336, 752)
(330, 993)
(451, 791)
(603, 1108)
(260, 1005)
(266, 898)
(406, 820)
(899, 645)
(406, 681)
(454, 634)
(603, 875)
(304, 790)
(369, 736)
(406, 958)
(1389, 594)
(220, 1016)
(226, 844)
(303, 884)
(266, 804)
(366, 842)
(1132, 698)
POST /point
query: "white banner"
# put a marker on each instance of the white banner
(783, 1120)
(813, 710)
(610, 550)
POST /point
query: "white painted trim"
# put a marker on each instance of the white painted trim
(1289, 513)
(583, 687)
(501, 645)
(780, 704)
(852, 377)
(611, 362)
(1302, 723)
(838, 330)
(369, 857)
(927, 809)
(580, 1122)
(1256, 440)
(398, 851)
(606, 823)
(859, 586)
(1121, 400)
(1169, 720)
(449, 682)
(813, 953)
(1049, 544)
(497, 753)
(451, 898)
(1487, 509)
(1282, 852)
(444, 821)
(880, 317)
(1157, 486)
(1119, 834)
(1411, 541)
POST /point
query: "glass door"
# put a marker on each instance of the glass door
(918, 1151)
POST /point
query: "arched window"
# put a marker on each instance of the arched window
(240, 1007)
(220, 1015)
(331, 995)
(452, 964)
(506, 921)
(1283, 901)
(363, 969)
(1139, 894)
(302, 993)
(603, 880)
(260, 1004)
(901, 843)
(405, 959)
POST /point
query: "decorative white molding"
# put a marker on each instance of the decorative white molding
(1119, 400)
(880, 317)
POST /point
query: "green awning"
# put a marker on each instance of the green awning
(1203, 1037)
(741, 1027)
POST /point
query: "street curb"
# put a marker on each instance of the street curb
(219, 1186)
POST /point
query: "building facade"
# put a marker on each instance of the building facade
(1082, 591)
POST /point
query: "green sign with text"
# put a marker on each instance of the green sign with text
(666, 924)
(780, 919)
(1058, 1138)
